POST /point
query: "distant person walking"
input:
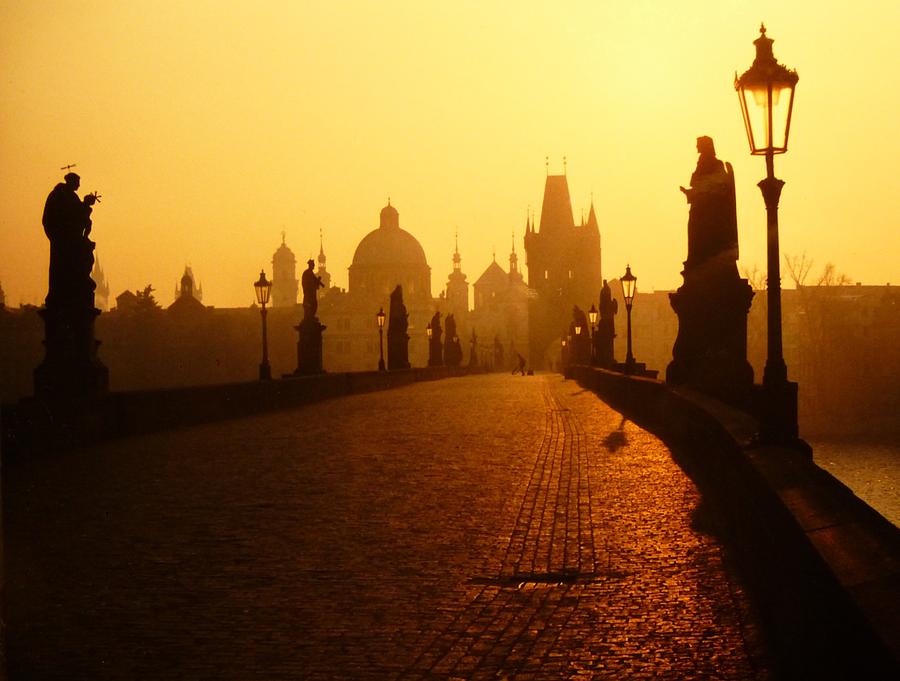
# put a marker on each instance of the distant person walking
(520, 368)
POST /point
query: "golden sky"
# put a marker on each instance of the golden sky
(210, 127)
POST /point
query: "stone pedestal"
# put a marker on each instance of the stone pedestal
(71, 371)
(710, 352)
(435, 352)
(309, 347)
(398, 350)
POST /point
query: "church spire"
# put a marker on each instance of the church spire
(321, 272)
(457, 259)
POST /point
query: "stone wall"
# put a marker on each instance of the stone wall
(824, 566)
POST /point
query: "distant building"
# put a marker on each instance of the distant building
(126, 301)
(186, 305)
(501, 310)
(196, 290)
(101, 293)
(386, 257)
(284, 276)
(321, 271)
(457, 293)
(563, 269)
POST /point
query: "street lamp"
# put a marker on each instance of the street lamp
(766, 94)
(592, 318)
(428, 334)
(629, 287)
(263, 289)
(379, 318)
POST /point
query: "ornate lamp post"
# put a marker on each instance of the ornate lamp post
(380, 319)
(629, 287)
(564, 357)
(263, 289)
(428, 333)
(766, 94)
(592, 318)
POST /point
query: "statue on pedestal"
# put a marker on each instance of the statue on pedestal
(398, 339)
(70, 369)
(710, 352)
(309, 344)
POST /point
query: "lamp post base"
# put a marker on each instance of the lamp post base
(265, 372)
(776, 407)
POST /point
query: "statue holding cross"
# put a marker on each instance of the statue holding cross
(67, 224)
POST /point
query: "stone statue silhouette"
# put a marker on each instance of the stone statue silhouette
(311, 283)
(435, 347)
(712, 221)
(606, 329)
(67, 223)
(398, 339)
(452, 348)
(71, 372)
(710, 351)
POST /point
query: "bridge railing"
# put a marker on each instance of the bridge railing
(823, 565)
(33, 425)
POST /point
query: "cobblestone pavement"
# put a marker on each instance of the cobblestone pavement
(488, 527)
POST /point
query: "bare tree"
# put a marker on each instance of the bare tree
(754, 277)
(798, 267)
(831, 277)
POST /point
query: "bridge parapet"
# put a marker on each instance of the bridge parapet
(823, 565)
(32, 424)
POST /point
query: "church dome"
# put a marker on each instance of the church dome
(283, 254)
(389, 245)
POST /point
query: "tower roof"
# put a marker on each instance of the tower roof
(493, 277)
(556, 211)
(592, 219)
(390, 218)
(389, 245)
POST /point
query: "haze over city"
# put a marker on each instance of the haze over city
(210, 129)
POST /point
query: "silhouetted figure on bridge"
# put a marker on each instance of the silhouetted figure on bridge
(71, 369)
(435, 348)
(398, 339)
(452, 349)
(473, 351)
(309, 343)
(710, 352)
(310, 283)
(606, 329)
(520, 365)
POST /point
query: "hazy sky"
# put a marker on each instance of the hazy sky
(210, 127)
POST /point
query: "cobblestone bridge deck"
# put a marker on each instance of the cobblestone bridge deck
(485, 527)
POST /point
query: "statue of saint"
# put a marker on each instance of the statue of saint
(398, 324)
(712, 222)
(311, 283)
(398, 317)
(436, 328)
(67, 223)
(606, 329)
